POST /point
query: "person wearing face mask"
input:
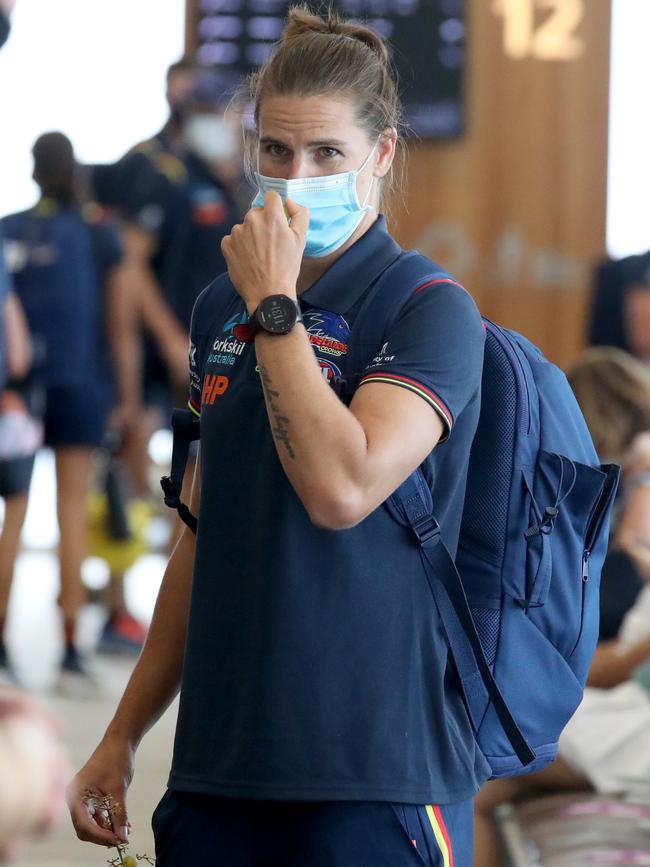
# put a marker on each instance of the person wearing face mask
(176, 195)
(319, 723)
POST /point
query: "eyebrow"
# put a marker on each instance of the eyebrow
(332, 142)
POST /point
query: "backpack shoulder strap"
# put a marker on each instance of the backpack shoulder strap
(186, 428)
(446, 585)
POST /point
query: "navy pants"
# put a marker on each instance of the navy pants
(211, 831)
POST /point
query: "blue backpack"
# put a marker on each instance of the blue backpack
(519, 603)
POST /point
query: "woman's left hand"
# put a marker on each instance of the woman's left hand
(264, 253)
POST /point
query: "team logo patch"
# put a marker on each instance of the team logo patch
(209, 206)
(328, 333)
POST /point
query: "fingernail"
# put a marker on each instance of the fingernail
(124, 833)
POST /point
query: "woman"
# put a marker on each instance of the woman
(64, 258)
(606, 744)
(317, 724)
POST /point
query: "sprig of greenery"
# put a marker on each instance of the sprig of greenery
(108, 807)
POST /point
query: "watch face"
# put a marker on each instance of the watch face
(277, 314)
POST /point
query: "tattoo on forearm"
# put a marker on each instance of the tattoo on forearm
(279, 420)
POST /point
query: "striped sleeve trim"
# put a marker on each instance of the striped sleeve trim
(425, 393)
(194, 407)
(439, 280)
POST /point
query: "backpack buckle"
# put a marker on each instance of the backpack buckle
(170, 491)
(425, 529)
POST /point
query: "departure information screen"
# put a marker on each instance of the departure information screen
(427, 39)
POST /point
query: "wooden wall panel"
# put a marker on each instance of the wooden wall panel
(517, 207)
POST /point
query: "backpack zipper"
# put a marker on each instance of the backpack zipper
(523, 410)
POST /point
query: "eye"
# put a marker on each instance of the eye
(276, 150)
(329, 153)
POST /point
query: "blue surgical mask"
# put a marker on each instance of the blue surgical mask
(334, 207)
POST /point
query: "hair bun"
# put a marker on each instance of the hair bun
(301, 20)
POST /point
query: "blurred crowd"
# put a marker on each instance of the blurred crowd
(97, 284)
(103, 273)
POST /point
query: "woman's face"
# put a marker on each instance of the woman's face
(306, 137)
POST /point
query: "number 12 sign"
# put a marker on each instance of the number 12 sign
(526, 33)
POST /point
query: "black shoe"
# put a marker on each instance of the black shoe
(77, 678)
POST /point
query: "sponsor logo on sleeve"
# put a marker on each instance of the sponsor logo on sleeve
(382, 358)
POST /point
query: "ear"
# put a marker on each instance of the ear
(386, 146)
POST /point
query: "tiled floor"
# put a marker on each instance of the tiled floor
(35, 642)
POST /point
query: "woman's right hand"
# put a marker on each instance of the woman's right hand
(104, 779)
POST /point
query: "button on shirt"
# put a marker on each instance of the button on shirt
(316, 666)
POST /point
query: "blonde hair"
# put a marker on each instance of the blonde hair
(613, 390)
(329, 56)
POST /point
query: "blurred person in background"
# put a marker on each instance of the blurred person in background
(18, 443)
(8, 303)
(5, 25)
(34, 770)
(606, 745)
(177, 195)
(20, 439)
(64, 258)
(620, 305)
(32, 761)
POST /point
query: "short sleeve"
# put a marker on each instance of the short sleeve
(435, 350)
(197, 341)
(206, 308)
(146, 194)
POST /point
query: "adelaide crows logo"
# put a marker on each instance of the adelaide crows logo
(328, 332)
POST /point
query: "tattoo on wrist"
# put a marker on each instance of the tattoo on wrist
(279, 421)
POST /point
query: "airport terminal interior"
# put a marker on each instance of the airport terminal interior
(146, 149)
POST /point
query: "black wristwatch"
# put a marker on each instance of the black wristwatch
(277, 314)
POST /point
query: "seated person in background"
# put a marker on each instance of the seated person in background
(613, 390)
(620, 305)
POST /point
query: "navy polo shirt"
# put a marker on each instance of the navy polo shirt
(315, 665)
(59, 259)
(183, 206)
